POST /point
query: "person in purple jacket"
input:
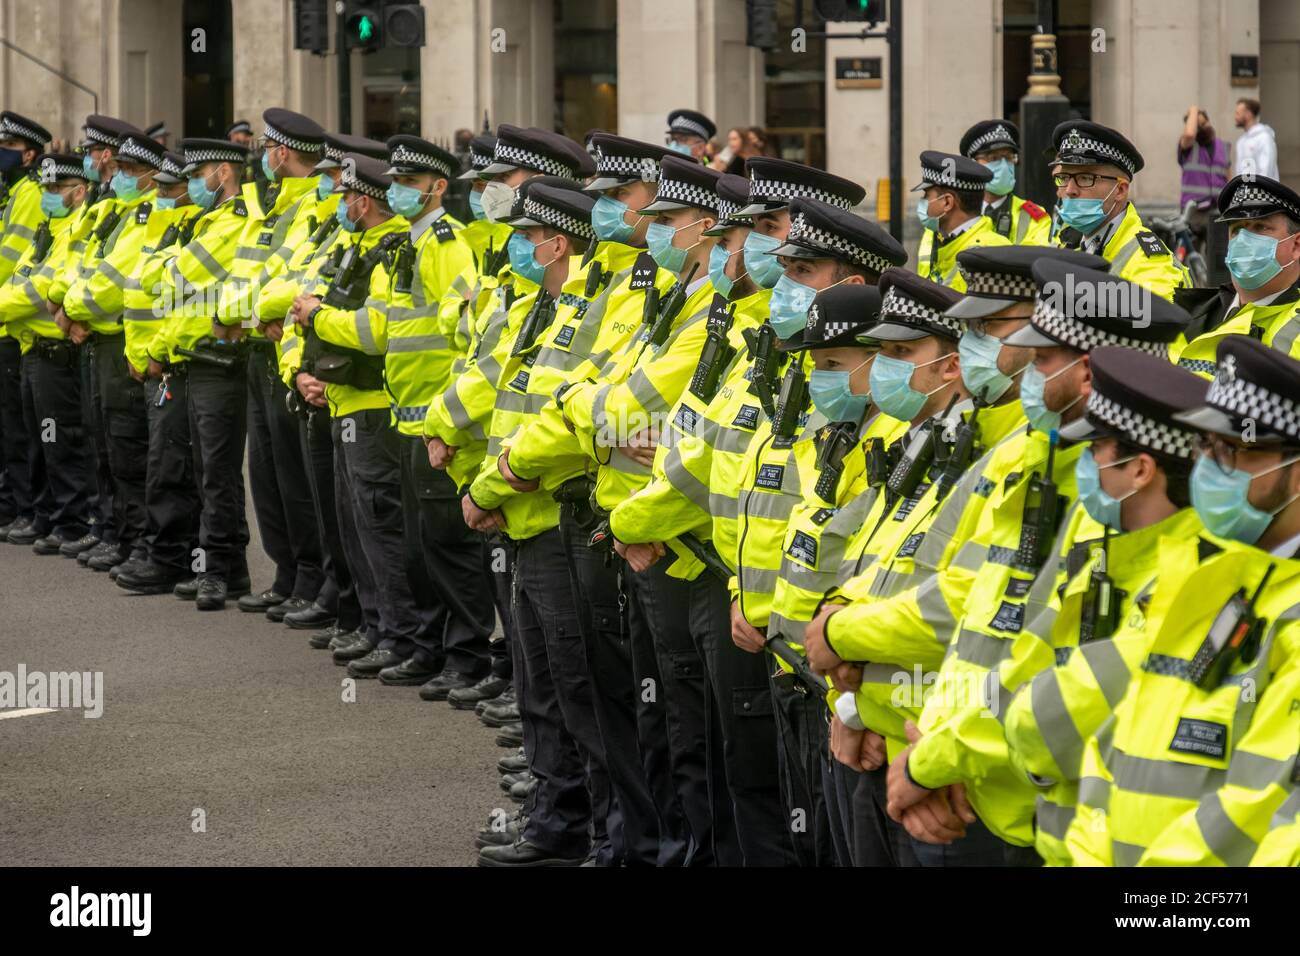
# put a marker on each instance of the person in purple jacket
(1204, 159)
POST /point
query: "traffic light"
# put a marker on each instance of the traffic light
(761, 27)
(847, 11)
(311, 28)
(404, 24)
(361, 28)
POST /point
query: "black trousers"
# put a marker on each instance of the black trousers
(277, 477)
(218, 400)
(871, 837)
(103, 517)
(738, 681)
(368, 492)
(51, 383)
(444, 563)
(339, 592)
(126, 438)
(17, 496)
(498, 557)
(646, 825)
(571, 801)
(171, 491)
(802, 737)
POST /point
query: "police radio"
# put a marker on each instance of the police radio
(791, 402)
(714, 357)
(671, 307)
(961, 453)
(331, 267)
(324, 229)
(537, 321)
(880, 461)
(1042, 514)
(765, 365)
(596, 277)
(169, 236)
(404, 268)
(42, 241)
(834, 442)
(917, 457)
(1101, 602)
(1234, 635)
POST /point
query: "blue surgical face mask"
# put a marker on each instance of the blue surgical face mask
(324, 186)
(788, 309)
(125, 187)
(923, 214)
(1084, 214)
(1032, 389)
(831, 393)
(341, 214)
(1252, 258)
(682, 148)
(88, 167)
(1103, 508)
(607, 220)
(200, 194)
(979, 366)
(1221, 501)
(165, 202)
(476, 203)
(1004, 177)
(405, 200)
(53, 206)
(718, 259)
(522, 261)
(659, 238)
(764, 268)
(271, 174)
(891, 387)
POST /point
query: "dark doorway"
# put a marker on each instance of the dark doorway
(209, 72)
(1073, 53)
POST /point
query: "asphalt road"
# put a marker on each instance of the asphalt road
(227, 713)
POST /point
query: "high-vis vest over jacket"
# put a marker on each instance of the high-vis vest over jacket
(1136, 253)
(96, 298)
(1276, 324)
(142, 314)
(937, 260)
(22, 298)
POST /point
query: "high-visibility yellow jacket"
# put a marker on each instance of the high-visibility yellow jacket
(1181, 775)
(1019, 221)
(1282, 845)
(1064, 689)
(1276, 324)
(471, 295)
(420, 350)
(1136, 253)
(23, 314)
(937, 258)
(21, 218)
(96, 298)
(141, 315)
(364, 329)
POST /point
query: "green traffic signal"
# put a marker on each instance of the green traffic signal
(365, 28)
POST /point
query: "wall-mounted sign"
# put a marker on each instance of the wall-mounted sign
(857, 73)
(1245, 70)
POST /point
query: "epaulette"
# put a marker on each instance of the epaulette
(1035, 211)
(443, 230)
(240, 207)
(142, 213)
(1150, 243)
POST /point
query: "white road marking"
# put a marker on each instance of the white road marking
(27, 712)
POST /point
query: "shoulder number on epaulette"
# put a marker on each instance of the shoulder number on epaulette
(1150, 243)
(443, 231)
(643, 272)
(240, 207)
(142, 213)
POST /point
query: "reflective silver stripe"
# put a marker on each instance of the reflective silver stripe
(459, 416)
(34, 297)
(1225, 839)
(365, 335)
(934, 609)
(762, 504)
(1163, 778)
(20, 230)
(140, 315)
(732, 440)
(110, 271)
(417, 343)
(1094, 792)
(1125, 854)
(9, 252)
(91, 305)
(598, 419)
(625, 465)
(1053, 819)
(685, 483)
(510, 401)
(644, 391)
(288, 341)
(717, 502)
(252, 254)
(998, 697)
(1108, 668)
(883, 674)
(757, 580)
(1257, 772)
(214, 268)
(970, 556)
(982, 650)
(1286, 814)
(1122, 257)
(1055, 725)
(1285, 338)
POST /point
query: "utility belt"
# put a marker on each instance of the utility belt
(575, 491)
(337, 365)
(218, 353)
(58, 352)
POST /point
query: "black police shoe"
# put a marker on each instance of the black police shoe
(369, 665)
(409, 673)
(23, 532)
(150, 578)
(511, 735)
(498, 833)
(309, 618)
(520, 789)
(445, 683)
(187, 588)
(507, 696)
(508, 780)
(358, 646)
(49, 544)
(139, 558)
(212, 593)
(498, 715)
(258, 603)
(344, 638)
(103, 547)
(321, 639)
(467, 698)
(70, 549)
(108, 559)
(515, 763)
(276, 613)
(6, 524)
(523, 853)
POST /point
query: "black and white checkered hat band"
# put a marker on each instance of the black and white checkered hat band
(1248, 195)
(349, 181)
(806, 234)
(683, 125)
(334, 153)
(284, 139)
(195, 156)
(627, 167)
(775, 190)
(897, 306)
(550, 216)
(52, 171)
(999, 134)
(479, 160)
(1075, 143)
(103, 137)
(18, 129)
(132, 150)
(408, 157)
(518, 156)
(941, 177)
(727, 211)
(1079, 335)
(679, 190)
(1242, 399)
(170, 168)
(1149, 433)
(999, 285)
(833, 330)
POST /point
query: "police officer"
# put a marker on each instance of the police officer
(995, 143)
(689, 133)
(952, 196)
(1093, 170)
